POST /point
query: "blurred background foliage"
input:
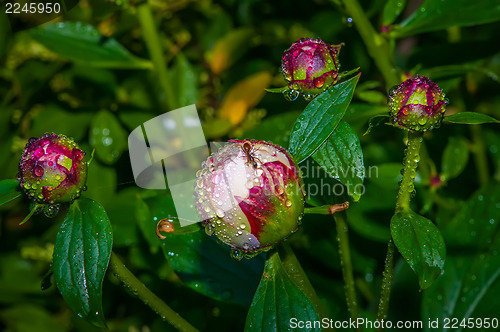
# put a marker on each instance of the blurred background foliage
(104, 68)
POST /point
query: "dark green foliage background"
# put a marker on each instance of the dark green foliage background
(92, 80)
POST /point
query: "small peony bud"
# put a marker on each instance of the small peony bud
(310, 67)
(417, 104)
(250, 195)
(52, 169)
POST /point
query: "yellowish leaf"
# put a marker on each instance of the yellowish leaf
(243, 96)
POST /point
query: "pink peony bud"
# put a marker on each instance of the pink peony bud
(250, 195)
(52, 169)
(417, 104)
(310, 67)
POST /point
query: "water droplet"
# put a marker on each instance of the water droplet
(209, 229)
(38, 171)
(319, 82)
(291, 94)
(422, 121)
(236, 254)
(51, 210)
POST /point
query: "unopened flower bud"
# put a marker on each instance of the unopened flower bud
(52, 169)
(310, 67)
(250, 196)
(417, 104)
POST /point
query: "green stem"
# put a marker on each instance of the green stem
(377, 45)
(479, 152)
(410, 163)
(346, 263)
(326, 209)
(387, 276)
(406, 188)
(299, 277)
(153, 43)
(151, 300)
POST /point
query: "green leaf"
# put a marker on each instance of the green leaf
(81, 256)
(455, 157)
(342, 158)
(51, 118)
(421, 245)
(434, 15)
(375, 122)
(186, 81)
(83, 43)
(477, 223)
(278, 90)
(468, 289)
(392, 9)
(470, 118)
(108, 137)
(320, 118)
(277, 300)
(9, 190)
(203, 264)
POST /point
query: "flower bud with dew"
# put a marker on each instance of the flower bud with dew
(250, 195)
(310, 66)
(52, 169)
(417, 104)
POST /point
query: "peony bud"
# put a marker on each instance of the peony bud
(310, 67)
(417, 104)
(250, 196)
(52, 169)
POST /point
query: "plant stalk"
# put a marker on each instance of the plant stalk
(327, 209)
(406, 189)
(153, 43)
(377, 45)
(346, 263)
(133, 284)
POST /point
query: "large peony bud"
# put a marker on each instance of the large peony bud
(52, 169)
(250, 195)
(417, 104)
(310, 67)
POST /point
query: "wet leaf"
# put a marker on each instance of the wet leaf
(243, 96)
(81, 256)
(421, 245)
(477, 223)
(83, 43)
(455, 157)
(468, 290)
(342, 158)
(470, 118)
(434, 15)
(203, 264)
(320, 118)
(277, 300)
(9, 190)
(108, 137)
